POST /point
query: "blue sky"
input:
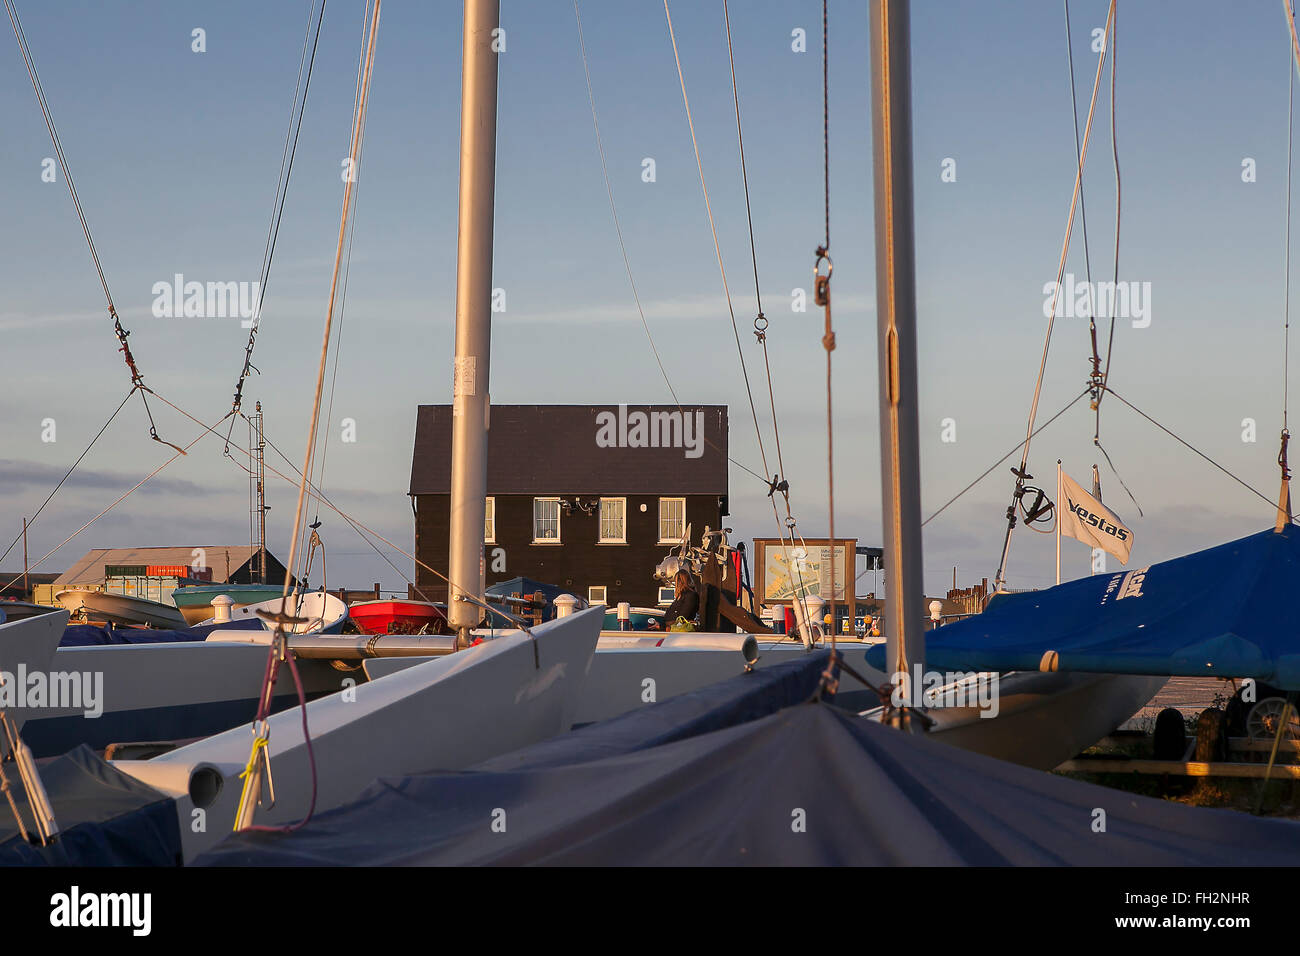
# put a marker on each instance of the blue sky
(175, 154)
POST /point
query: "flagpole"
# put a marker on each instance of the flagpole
(1058, 521)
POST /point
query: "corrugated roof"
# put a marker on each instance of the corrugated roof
(582, 449)
(89, 570)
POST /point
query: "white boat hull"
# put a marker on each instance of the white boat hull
(447, 713)
(121, 608)
(27, 646)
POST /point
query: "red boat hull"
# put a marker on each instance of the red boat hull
(379, 617)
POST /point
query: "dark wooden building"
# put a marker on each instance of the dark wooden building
(586, 497)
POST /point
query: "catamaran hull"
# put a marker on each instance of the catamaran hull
(632, 669)
(27, 646)
(1043, 719)
(157, 692)
(448, 713)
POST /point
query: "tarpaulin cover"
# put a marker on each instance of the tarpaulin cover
(105, 818)
(524, 587)
(803, 784)
(91, 635)
(1223, 612)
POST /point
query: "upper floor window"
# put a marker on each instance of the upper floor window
(546, 520)
(613, 521)
(672, 520)
(490, 522)
(596, 594)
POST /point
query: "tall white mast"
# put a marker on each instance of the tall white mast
(900, 460)
(470, 402)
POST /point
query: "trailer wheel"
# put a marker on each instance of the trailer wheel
(1266, 716)
(1169, 739)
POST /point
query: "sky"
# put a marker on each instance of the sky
(176, 152)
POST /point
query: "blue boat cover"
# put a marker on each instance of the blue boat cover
(105, 817)
(759, 780)
(525, 587)
(90, 635)
(1223, 612)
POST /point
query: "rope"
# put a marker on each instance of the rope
(33, 518)
(1022, 471)
(828, 337)
(1083, 211)
(277, 206)
(278, 649)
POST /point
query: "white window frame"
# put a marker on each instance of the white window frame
(604, 595)
(678, 538)
(600, 523)
(558, 539)
(490, 521)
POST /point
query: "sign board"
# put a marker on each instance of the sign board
(785, 571)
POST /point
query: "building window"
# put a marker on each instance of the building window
(546, 520)
(672, 520)
(490, 522)
(596, 594)
(613, 521)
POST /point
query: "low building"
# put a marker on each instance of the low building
(586, 497)
(227, 564)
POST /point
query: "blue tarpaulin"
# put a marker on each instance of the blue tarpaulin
(105, 817)
(762, 776)
(1223, 612)
(92, 635)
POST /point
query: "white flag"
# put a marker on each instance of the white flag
(1085, 518)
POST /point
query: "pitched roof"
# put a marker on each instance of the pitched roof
(90, 568)
(583, 449)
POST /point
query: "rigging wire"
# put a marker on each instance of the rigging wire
(137, 377)
(357, 525)
(744, 368)
(1188, 445)
(33, 518)
(627, 265)
(779, 481)
(343, 303)
(1022, 473)
(287, 155)
(985, 473)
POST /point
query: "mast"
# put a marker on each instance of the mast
(470, 402)
(259, 477)
(900, 468)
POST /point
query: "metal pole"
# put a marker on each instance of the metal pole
(900, 463)
(470, 402)
(261, 497)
